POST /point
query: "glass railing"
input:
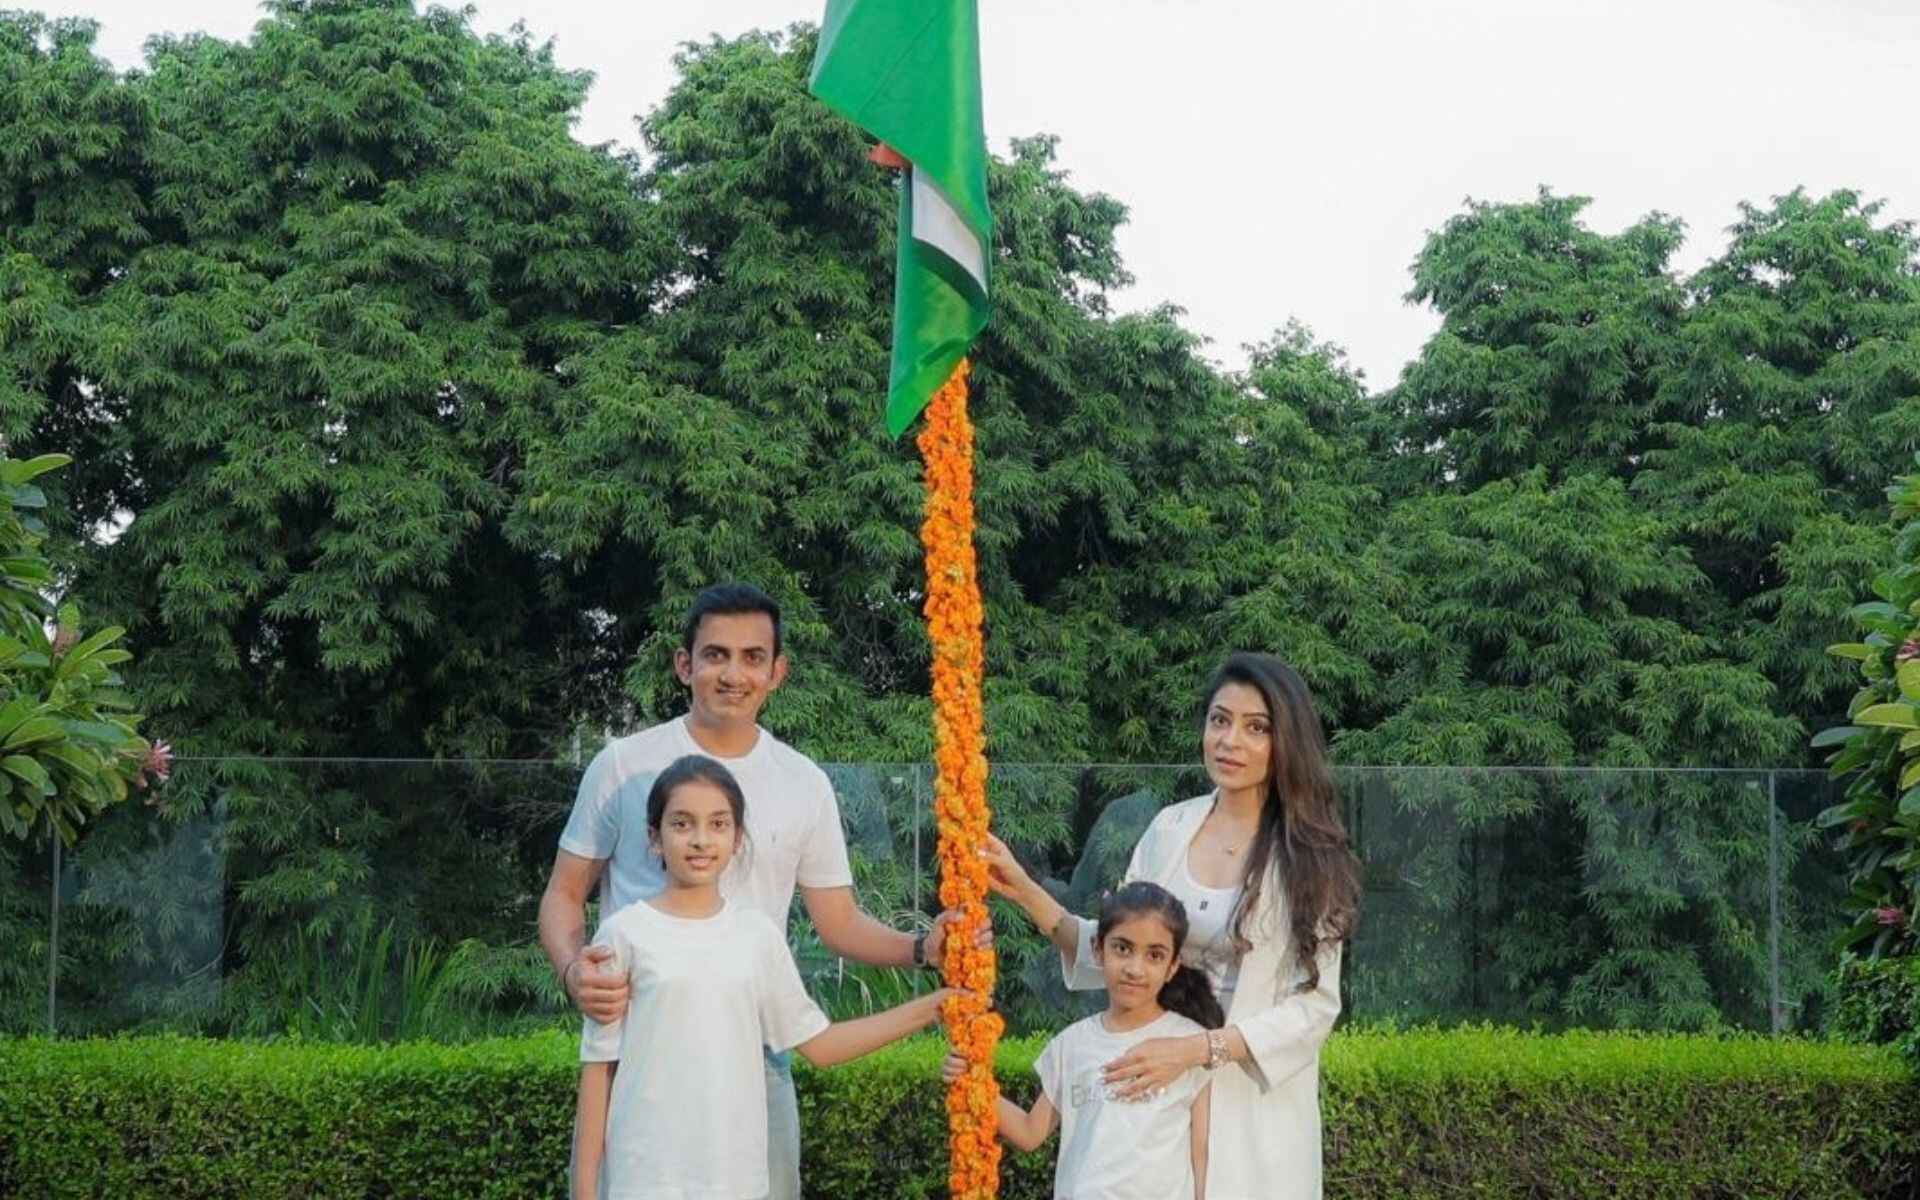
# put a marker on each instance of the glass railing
(376, 900)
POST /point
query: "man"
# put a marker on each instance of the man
(731, 659)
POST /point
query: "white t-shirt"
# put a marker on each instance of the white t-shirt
(687, 1117)
(1118, 1149)
(793, 822)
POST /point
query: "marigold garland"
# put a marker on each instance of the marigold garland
(960, 789)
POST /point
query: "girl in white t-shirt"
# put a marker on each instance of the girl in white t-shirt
(1110, 1149)
(672, 1098)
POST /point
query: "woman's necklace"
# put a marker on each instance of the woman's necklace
(1223, 842)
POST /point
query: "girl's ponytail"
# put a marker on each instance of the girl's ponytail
(1190, 993)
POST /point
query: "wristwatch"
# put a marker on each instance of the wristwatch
(920, 949)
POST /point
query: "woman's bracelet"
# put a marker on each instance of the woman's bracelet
(1216, 1048)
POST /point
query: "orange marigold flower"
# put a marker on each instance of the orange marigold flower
(954, 619)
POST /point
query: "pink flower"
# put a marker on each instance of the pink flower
(157, 762)
(1908, 652)
(1890, 916)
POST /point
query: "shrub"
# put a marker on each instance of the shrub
(1880, 749)
(1880, 1004)
(68, 746)
(1425, 1114)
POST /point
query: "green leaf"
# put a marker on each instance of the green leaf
(1889, 716)
(15, 472)
(28, 733)
(83, 764)
(1910, 803)
(1851, 757)
(27, 771)
(24, 496)
(102, 733)
(1908, 676)
(1871, 609)
(1842, 813)
(14, 712)
(1836, 735)
(1858, 651)
(87, 650)
(20, 569)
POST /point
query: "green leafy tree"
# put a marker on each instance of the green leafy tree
(1795, 390)
(1553, 635)
(1557, 618)
(1550, 349)
(352, 255)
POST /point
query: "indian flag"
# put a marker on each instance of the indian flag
(908, 72)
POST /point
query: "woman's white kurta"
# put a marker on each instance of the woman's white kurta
(1264, 1135)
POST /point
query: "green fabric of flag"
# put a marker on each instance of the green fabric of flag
(908, 72)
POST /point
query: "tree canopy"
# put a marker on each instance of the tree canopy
(418, 422)
(404, 424)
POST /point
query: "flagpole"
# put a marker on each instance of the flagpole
(954, 620)
(908, 72)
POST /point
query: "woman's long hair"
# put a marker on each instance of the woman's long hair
(1301, 832)
(1187, 991)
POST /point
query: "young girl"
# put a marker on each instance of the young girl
(672, 1097)
(1111, 1149)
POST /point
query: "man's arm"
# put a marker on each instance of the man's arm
(586, 972)
(849, 932)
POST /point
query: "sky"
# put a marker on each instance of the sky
(1289, 159)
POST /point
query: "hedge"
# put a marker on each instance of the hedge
(1421, 1114)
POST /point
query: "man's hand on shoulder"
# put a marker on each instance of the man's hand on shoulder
(596, 988)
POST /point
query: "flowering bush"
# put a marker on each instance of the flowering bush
(960, 789)
(68, 746)
(1879, 818)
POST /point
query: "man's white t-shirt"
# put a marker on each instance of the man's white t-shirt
(686, 1119)
(794, 837)
(1119, 1149)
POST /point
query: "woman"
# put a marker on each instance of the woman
(1271, 889)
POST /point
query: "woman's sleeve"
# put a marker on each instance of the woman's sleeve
(1083, 974)
(1286, 1038)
